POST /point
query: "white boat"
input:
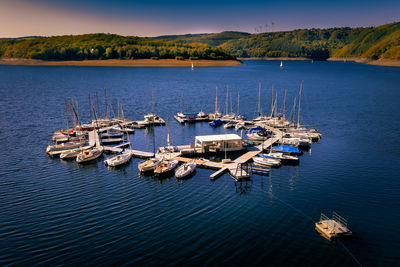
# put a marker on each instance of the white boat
(281, 66)
(149, 165)
(185, 170)
(89, 154)
(230, 124)
(283, 157)
(166, 167)
(72, 153)
(240, 125)
(269, 162)
(201, 114)
(258, 136)
(112, 140)
(119, 159)
(65, 146)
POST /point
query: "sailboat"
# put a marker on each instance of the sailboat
(260, 117)
(239, 117)
(89, 154)
(228, 116)
(192, 66)
(185, 170)
(281, 66)
(121, 158)
(152, 117)
(167, 165)
(217, 113)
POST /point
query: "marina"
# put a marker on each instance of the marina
(266, 131)
(350, 170)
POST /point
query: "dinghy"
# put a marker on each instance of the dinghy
(89, 154)
(149, 165)
(268, 162)
(185, 170)
(286, 159)
(119, 159)
(166, 167)
(72, 153)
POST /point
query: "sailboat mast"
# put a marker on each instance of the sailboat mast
(66, 112)
(152, 100)
(272, 101)
(105, 102)
(230, 95)
(183, 103)
(226, 101)
(284, 105)
(169, 140)
(90, 108)
(98, 108)
(259, 99)
(238, 104)
(298, 114)
(216, 100)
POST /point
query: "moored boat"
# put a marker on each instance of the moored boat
(166, 167)
(88, 155)
(149, 165)
(119, 159)
(286, 159)
(185, 170)
(268, 162)
(216, 123)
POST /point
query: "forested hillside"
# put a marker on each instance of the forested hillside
(213, 39)
(372, 43)
(105, 46)
(381, 42)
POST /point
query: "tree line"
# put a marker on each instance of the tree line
(106, 46)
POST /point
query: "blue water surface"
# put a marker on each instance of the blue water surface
(55, 212)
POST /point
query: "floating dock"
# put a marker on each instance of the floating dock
(332, 228)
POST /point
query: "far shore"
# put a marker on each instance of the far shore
(379, 62)
(121, 63)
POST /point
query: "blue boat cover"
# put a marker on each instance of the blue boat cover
(257, 129)
(287, 148)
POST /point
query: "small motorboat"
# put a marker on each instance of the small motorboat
(89, 154)
(268, 162)
(216, 123)
(119, 159)
(286, 149)
(112, 134)
(230, 124)
(286, 159)
(166, 167)
(72, 153)
(201, 114)
(185, 170)
(65, 146)
(149, 165)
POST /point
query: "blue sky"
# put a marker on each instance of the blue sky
(151, 18)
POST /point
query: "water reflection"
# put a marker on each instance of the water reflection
(243, 187)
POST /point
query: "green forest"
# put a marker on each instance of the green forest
(381, 42)
(106, 46)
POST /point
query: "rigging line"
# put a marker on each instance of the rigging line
(349, 252)
(308, 217)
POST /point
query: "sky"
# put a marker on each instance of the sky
(156, 17)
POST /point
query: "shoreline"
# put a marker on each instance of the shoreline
(379, 62)
(121, 62)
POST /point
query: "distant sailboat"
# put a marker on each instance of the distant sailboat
(192, 66)
(281, 64)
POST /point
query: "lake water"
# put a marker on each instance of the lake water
(56, 212)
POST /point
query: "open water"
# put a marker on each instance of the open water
(55, 212)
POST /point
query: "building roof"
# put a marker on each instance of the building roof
(218, 137)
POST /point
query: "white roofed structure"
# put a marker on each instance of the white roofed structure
(218, 143)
